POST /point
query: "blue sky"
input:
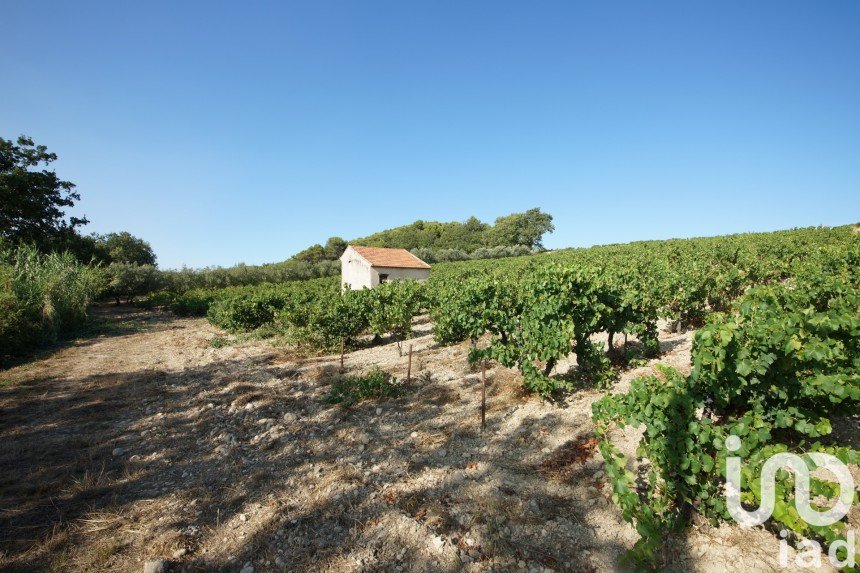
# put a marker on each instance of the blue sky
(227, 132)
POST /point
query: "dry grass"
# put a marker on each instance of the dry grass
(87, 482)
(339, 490)
(323, 374)
(505, 390)
(101, 521)
(252, 396)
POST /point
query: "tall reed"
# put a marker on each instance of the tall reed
(42, 297)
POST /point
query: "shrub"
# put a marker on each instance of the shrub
(193, 302)
(244, 312)
(42, 297)
(773, 374)
(128, 280)
(341, 319)
(392, 305)
(353, 389)
(161, 298)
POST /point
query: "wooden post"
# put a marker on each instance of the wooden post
(409, 368)
(483, 395)
(341, 355)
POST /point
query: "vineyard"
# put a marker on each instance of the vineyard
(775, 358)
(619, 289)
(300, 428)
(364, 287)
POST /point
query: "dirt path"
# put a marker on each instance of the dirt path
(152, 444)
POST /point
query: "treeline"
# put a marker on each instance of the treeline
(451, 255)
(33, 200)
(513, 235)
(517, 229)
(49, 270)
(179, 281)
(130, 280)
(472, 239)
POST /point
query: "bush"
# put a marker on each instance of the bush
(128, 280)
(341, 319)
(194, 302)
(353, 389)
(774, 374)
(392, 305)
(42, 297)
(244, 312)
(534, 322)
(161, 298)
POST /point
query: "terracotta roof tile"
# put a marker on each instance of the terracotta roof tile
(394, 258)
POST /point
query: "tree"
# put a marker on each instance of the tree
(125, 248)
(32, 200)
(334, 248)
(313, 254)
(521, 229)
(127, 280)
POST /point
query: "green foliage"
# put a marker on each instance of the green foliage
(442, 239)
(430, 241)
(341, 319)
(392, 305)
(353, 389)
(33, 198)
(194, 302)
(461, 309)
(685, 279)
(161, 298)
(429, 255)
(42, 297)
(311, 313)
(557, 312)
(332, 251)
(538, 319)
(525, 229)
(242, 313)
(774, 373)
(128, 280)
(294, 298)
(124, 248)
(181, 281)
(434, 235)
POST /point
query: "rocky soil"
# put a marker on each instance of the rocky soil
(150, 449)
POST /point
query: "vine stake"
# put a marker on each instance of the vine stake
(483, 394)
(409, 368)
